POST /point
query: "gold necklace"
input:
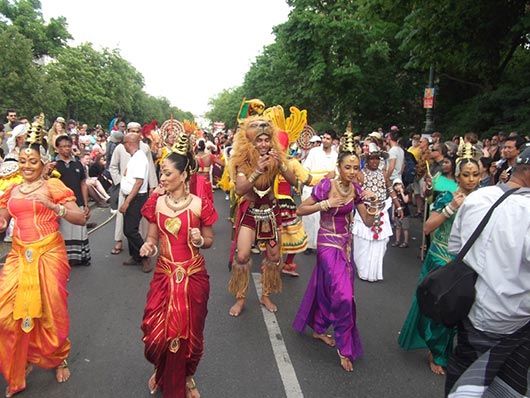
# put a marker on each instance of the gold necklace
(178, 204)
(344, 192)
(31, 187)
(261, 193)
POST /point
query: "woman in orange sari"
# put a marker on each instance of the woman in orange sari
(34, 322)
(175, 313)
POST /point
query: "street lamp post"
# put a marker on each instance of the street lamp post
(428, 103)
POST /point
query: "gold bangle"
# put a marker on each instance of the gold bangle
(155, 253)
(283, 168)
(200, 244)
(374, 212)
(61, 212)
(254, 176)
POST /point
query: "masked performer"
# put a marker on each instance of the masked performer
(175, 313)
(34, 322)
(257, 160)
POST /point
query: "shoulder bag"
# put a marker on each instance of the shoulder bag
(447, 293)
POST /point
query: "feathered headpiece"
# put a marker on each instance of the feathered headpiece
(293, 125)
(189, 126)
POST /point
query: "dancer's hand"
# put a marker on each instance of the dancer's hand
(335, 201)
(367, 195)
(196, 237)
(3, 224)
(148, 249)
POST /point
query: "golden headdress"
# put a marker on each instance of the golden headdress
(251, 107)
(293, 125)
(182, 144)
(347, 142)
(36, 132)
(35, 136)
(466, 151)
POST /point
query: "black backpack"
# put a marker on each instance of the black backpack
(409, 169)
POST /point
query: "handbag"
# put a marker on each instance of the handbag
(447, 293)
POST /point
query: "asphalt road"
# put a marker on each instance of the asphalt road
(255, 355)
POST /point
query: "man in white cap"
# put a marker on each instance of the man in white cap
(315, 141)
(117, 167)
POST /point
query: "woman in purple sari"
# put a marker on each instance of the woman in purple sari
(329, 298)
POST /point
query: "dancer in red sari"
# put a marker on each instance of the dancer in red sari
(175, 313)
(34, 322)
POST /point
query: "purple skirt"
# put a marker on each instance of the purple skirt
(329, 297)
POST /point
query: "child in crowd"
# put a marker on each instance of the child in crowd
(402, 225)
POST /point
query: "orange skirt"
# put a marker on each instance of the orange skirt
(34, 322)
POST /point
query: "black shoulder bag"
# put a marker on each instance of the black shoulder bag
(447, 293)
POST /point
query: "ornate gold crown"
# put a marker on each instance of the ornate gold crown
(36, 132)
(348, 142)
(182, 144)
(171, 126)
(467, 151)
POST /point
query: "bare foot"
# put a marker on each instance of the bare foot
(62, 373)
(290, 272)
(151, 384)
(326, 338)
(191, 388)
(267, 303)
(289, 269)
(436, 369)
(345, 363)
(237, 308)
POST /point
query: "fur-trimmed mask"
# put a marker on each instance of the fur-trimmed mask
(255, 126)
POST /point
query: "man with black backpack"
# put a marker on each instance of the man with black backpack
(409, 166)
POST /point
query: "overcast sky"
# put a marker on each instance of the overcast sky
(187, 50)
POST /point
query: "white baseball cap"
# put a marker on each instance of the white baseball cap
(315, 138)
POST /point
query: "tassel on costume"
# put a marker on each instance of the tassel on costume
(271, 280)
(239, 280)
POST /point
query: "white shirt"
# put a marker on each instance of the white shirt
(320, 163)
(500, 256)
(396, 152)
(120, 159)
(137, 168)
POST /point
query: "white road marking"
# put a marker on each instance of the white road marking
(285, 366)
